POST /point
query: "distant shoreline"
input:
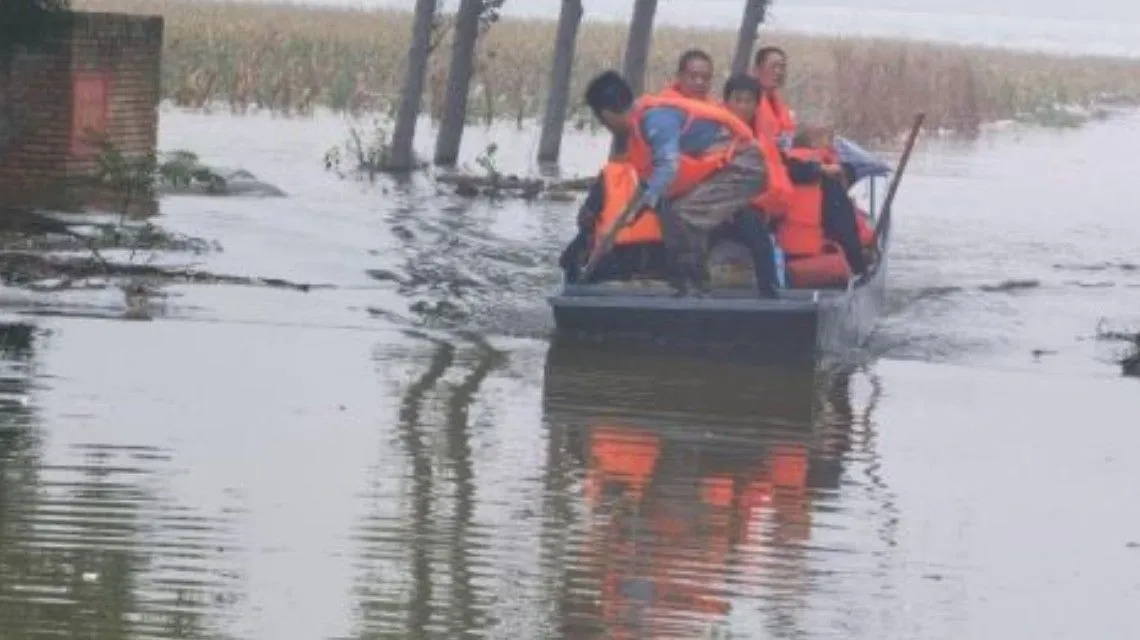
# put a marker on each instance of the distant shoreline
(291, 58)
(1048, 35)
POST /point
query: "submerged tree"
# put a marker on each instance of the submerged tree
(638, 43)
(755, 11)
(471, 17)
(561, 67)
(402, 156)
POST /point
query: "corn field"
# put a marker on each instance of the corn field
(291, 59)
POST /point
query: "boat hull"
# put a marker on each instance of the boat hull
(823, 327)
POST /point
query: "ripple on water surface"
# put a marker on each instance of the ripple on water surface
(89, 544)
(445, 484)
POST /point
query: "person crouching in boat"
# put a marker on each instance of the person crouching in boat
(694, 77)
(698, 164)
(820, 206)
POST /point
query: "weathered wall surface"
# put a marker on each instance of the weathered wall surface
(98, 74)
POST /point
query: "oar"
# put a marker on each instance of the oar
(606, 243)
(885, 220)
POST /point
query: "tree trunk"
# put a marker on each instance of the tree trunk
(638, 43)
(561, 67)
(403, 154)
(754, 14)
(458, 82)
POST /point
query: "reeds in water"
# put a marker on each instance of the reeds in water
(293, 58)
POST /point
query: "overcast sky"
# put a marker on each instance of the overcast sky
(1094, 10)
(1109, 27)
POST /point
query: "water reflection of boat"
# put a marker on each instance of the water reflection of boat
(821, 320)
(686, 470)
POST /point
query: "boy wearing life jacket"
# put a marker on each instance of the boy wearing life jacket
(741, 96)
(699, 166)
(820, 207)
(694, 76)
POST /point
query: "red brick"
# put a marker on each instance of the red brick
(38, 160)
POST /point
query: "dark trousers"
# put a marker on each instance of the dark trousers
(684, 248)
(840, 225)
(749, 229)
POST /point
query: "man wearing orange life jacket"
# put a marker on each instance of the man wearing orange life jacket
(699, 164)
(822, 176)
(694, 77)
(773, 117)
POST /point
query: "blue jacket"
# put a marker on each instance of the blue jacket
(661, 128)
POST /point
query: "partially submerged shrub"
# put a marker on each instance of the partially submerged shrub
(364, 151)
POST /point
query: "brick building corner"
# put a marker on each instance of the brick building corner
(97, 73)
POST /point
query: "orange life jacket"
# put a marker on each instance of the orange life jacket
(777, 195)
(773, 117)
(619, 186)
(674, 91)
(692, 170)
(801, 232)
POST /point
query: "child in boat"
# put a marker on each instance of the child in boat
(813, 163)
(741, 95)
(750, 227)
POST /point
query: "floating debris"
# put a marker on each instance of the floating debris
(512, 186)
(1011, 285)
(1130, 365)
(182, 173)
(32, 270)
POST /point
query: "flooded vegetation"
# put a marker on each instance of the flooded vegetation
(399, 452)
(294, 59)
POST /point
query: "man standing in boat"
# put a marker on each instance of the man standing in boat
(698, 163)
(694, 77)
(775, 123)
(774, 118)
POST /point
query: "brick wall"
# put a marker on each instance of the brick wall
(100, 73)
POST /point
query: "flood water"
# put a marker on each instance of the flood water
(401, 455)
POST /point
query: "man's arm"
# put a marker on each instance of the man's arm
(661, 128)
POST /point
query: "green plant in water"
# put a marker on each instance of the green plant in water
(126, 177)
(486, 162)
(368, 153)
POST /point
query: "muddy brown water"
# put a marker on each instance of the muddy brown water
(402, 457)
